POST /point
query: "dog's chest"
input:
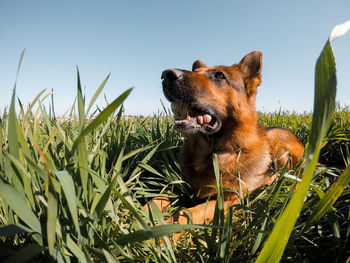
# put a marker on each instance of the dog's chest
(198, 169)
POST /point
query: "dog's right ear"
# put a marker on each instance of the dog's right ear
(198, 64)
(250, 66)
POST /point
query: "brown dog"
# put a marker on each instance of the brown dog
(215, 108)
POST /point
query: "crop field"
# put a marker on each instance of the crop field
(72, 188)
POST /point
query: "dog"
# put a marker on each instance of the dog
(215, 108)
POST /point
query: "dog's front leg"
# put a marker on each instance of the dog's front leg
(200, 214)
(163, 203)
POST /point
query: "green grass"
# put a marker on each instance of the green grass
(129, 162)
(72, 188)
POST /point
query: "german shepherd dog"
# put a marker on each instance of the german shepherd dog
(215, 108)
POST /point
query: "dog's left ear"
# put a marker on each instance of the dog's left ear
(198, 64)
(251, 65)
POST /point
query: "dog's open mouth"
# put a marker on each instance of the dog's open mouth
(194, 118)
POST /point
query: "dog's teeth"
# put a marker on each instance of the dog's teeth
(199, 119)
(207, 118)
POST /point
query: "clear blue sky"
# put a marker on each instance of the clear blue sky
(137, 40)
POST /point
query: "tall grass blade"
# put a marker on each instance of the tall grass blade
(325, 91)
(83, 167)
(126, 199)
(150, 169)
(52, 209)
(67, 185)
(145, 159)
(19, 64)
(82, 149)
(157, 214)
(17, 143)
(101, 117)
(137, 151)
(19, 206)
(81, 110)
(218, 182)
(332, 194)
(29, 110)
(73, 247)
(96, 94)
(52, 108)
(12, 128)
(104, 198)
(13, 146)
(109, 257)
(219, 214)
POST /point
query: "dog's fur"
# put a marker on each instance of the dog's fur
(215, 108)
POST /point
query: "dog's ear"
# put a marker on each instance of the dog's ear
(198, 64)
(251, 64)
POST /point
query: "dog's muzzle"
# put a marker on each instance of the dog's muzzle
(190, 116)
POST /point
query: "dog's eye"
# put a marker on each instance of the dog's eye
(219, 75)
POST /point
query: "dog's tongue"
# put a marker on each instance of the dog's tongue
(205, 119)
(200, 119)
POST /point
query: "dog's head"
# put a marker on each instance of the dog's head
(203, 99)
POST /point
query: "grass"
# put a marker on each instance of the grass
(72, 188)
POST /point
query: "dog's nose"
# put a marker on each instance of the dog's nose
(171, 74)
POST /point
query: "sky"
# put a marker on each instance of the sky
(136, 40)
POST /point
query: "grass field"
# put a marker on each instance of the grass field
(136, 159)
(72, 188)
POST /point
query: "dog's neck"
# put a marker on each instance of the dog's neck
(237, 134)
(229, 139)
